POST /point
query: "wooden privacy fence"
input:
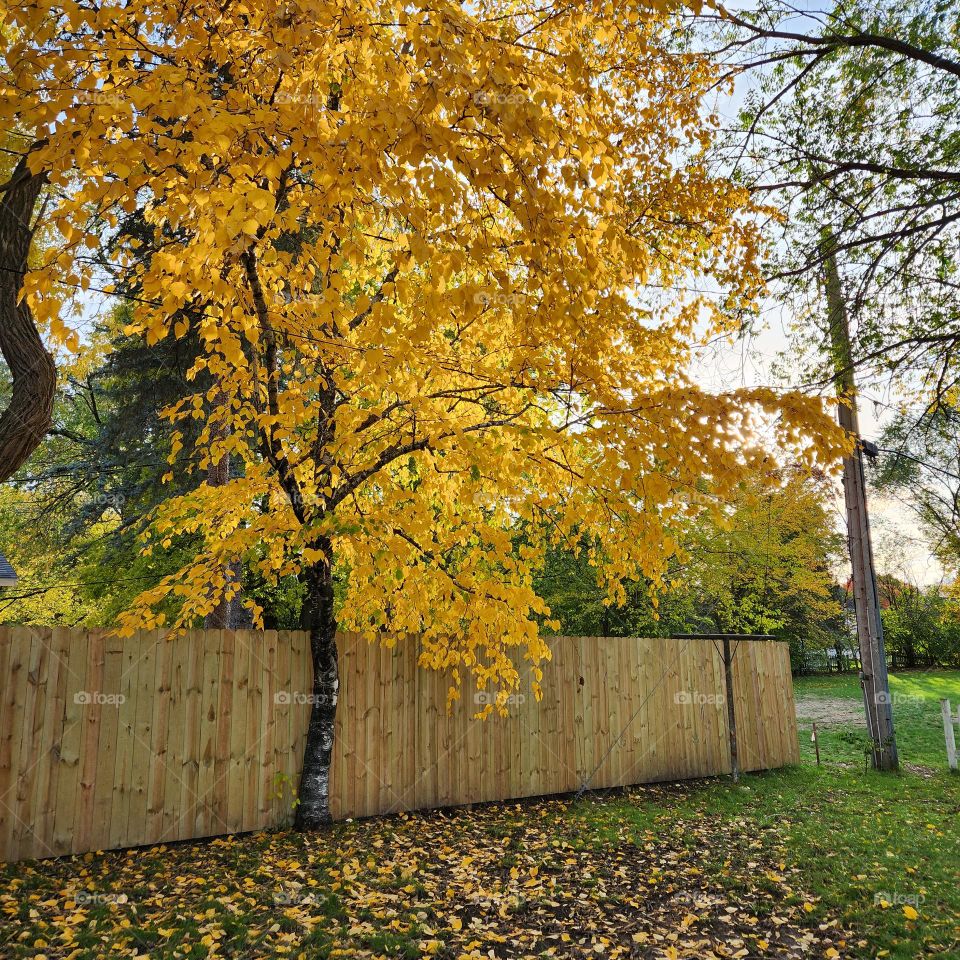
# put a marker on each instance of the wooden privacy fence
(109, 742)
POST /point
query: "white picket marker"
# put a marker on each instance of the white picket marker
(948, 733)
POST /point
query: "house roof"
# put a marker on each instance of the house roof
(8, 576)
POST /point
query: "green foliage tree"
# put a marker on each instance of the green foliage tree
(580, 605)
(768, 568)
(47, 593)
(765, 566)
(95, 481)
(921, 626)
(850, 126)
(91, 485)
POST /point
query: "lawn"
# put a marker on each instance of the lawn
(806, 862)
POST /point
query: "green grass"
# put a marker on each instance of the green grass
(804, 851)
(880, 833)
(916, 704)
(856, 836)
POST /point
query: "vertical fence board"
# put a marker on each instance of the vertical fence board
(24, 810)
(68, 781)
(425, 743)
(115, 829)
(253, 733)
(277, 785)
(405, 662)
(717, 732)
(11, 733)
(195, 652)
(144, 745)
(265, 754)
(103, 706)
(220, 713)
(170, 781)
(785, 707)
(52, 745)
(340, 780)
(283, 708)
(11, 669)
(89, 742)
(65, 753)
(567, 667)
(754, 676)
(14, 717)
(755, 681)
(160, 723)
(233, 747)
(688, 689)
(644, 759)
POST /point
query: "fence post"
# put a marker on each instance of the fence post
(948, 733)
(731, 711)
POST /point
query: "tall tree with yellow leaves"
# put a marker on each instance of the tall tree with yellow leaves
(428, 249)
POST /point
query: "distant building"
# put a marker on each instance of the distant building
(8, 576)
(837, 659)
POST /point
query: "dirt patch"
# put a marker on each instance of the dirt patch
(829, 710)
(928, 773)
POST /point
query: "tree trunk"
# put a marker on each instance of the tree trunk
(313, 807)
(27, 418)
(221, 616)
(230, 614)
(241, 616)
(911, 651)
(227, 614)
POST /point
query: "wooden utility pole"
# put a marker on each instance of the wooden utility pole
(873, 659)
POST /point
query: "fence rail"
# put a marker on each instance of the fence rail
(109, 742)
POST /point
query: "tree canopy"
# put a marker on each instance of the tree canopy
(408, 242)
(440, 263)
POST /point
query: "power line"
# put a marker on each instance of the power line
(923, 463)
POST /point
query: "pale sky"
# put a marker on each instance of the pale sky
(899, 545)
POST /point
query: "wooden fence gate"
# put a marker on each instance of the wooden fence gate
(109, 742)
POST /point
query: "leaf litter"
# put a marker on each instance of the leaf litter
(542, 878)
